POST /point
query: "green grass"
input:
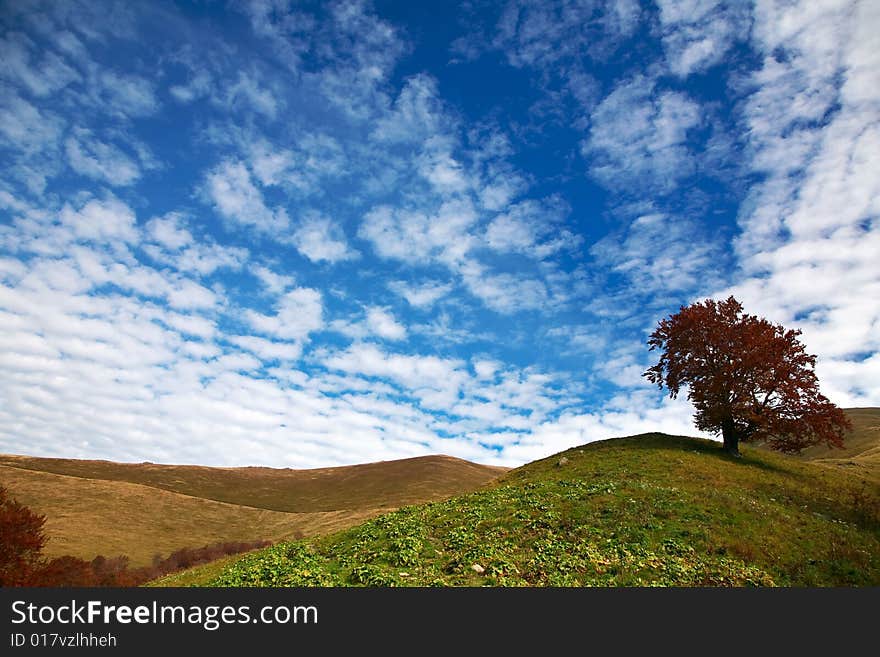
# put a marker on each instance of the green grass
(197, 574)
(641, 511)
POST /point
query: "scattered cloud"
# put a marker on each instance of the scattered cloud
(320, 239)
(697, 34)
(485, 241)
(413, 236)
(231, 189)
(424, 295)
(639, 137)
(659, 253)
(125, 95)
(299, 312)
(533, 228)
(382, 323)
(93, 158)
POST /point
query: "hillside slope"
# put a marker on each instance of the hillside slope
(644, 510)
(366, 486)
(88, 517)
(139, 510)
(861, 452)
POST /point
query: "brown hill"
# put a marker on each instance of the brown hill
(366, 486)
(861, 452)
(102, 507)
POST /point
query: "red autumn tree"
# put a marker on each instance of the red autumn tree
(21, 541)
(748, 379)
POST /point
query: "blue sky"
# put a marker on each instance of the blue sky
(311, 234)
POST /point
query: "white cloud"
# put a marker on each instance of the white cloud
(660, 253)
(504, 293)
(247, 92)
(169, 231)
(274, 282)
(298, 313)
(434, 381)
(540, 34)
(363, 50)
(377, 322)
(638, 137)
(441, 169)
(320, 239)
(809, 230)
(697, 34)
(230, 188)
(26, 128)
(198, 87)
(486, 369)
(125, 95)
(271, 22)
(531, 227)
(170, 242)
(107, 219)
(95, 159)
(31, 138)
(303, 169)
(424, 295)
(573, 429)
(413, 236)
(41, 78)
(267, 350)
(271, 166)
(416, 114)
(382, 323)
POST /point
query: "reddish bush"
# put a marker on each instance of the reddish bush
(22, 562)
(21, 541)
(65, 571)
(115, 571)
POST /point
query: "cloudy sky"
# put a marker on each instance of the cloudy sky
(310, 233)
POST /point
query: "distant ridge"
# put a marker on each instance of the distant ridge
(364, 486)
(141, 509)
(861, 452)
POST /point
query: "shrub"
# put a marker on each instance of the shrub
(21, 541)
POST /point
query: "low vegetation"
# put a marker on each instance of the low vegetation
(115, 571)
(641, 511)
(23, 562)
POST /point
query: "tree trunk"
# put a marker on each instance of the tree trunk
(731, 438)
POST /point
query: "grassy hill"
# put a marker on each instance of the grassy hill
(861, 453)
(139, 510)
(645, 510)
(366, 486)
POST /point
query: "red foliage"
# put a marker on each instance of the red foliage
(21, 541)
(748, 379)
(65, 571)
(22, 562)
(103, 571)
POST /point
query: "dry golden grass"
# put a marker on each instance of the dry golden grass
(139, 510)
(388, 484)
(861, 452)
(87, 517)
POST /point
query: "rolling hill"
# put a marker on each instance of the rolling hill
(644, 510)
(861, 452)
(139, 510)
(650, 509)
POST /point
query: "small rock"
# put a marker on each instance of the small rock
(477, 568)
(561, 462)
